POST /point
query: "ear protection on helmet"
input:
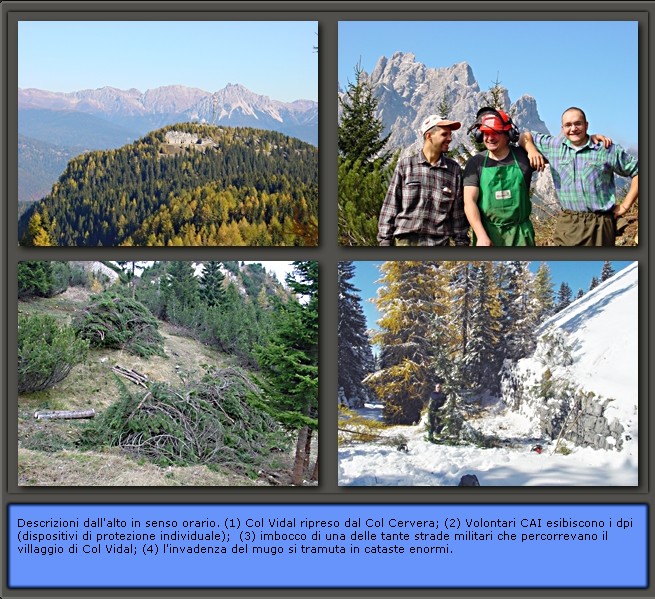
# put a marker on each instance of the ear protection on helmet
(506, 124)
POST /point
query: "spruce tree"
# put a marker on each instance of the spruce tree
(594, 283)
(495, 96)
(289, 360)
(484, 354)
(579, 294)
(563, 296)
(182, 293)
(360, 131)
(515, 284)
(544, 296)
(211, 283)
(448, 329)
(607, 271)
(35, 279)
(355, 358)
(42, 278)
(364, 166)
(362, 188)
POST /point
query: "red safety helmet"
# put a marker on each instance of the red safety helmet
(497, 121)
(492, 120)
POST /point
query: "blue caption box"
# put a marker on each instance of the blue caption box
(327, 546)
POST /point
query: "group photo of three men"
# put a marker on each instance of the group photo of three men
(433, 201)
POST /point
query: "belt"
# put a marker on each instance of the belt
(598, 212)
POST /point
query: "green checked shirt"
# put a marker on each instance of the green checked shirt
(584, 175)
(424, 200)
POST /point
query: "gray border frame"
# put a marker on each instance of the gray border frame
(328, 253)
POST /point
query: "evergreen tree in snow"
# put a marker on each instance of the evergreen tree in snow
(461, 300)
(355, 358)
(515, 283)
(594, 283)
(407, 304)
(579, 294)
(563, 296)
(484, 354)
(607, 271)
(449, 330)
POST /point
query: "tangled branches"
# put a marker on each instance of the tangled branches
(214, 421)
(119, 322)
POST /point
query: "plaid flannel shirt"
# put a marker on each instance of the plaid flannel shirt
(584, 176)
(425, 200)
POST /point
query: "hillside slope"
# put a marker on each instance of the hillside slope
(47, 450)
(184, 185)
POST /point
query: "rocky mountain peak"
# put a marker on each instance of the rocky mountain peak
(407, 91)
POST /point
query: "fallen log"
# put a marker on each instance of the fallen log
(132, 375)
(64, 414)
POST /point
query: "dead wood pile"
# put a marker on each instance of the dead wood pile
(218, 420)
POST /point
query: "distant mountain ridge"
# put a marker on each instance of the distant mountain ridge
(40, 163)
(211, 107)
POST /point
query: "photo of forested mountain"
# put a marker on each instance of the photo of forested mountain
(215, 145)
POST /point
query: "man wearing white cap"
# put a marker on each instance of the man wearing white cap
(424, 205)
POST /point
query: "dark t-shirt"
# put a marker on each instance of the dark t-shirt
(437, 400)
(474, 166)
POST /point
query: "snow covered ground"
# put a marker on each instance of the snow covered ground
(602, 330)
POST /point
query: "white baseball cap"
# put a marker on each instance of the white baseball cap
(436, 120)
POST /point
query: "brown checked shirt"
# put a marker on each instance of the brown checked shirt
(425, 200)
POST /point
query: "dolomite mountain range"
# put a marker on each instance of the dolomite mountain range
(407, 91)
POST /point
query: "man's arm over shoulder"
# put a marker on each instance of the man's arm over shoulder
(536, 146)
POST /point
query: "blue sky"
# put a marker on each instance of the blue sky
(578, 275)
(273, 58)
(590, 64)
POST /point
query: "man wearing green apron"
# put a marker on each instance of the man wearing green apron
(496, 184)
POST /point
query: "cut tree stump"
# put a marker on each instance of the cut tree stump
(64, 414)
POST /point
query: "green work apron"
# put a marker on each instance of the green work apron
(504, 204)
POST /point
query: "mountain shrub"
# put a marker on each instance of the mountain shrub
(42, 278)
(46, 352)
(116, 322)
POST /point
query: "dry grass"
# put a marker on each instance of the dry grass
(114, 469)
(47, 453)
